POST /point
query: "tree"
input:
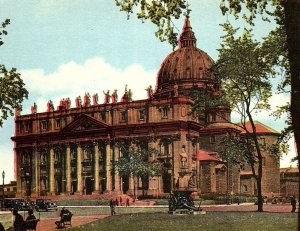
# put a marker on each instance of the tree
(286, 14)
(135, 162)
(12, 90)
(161, 13)
(245, 73)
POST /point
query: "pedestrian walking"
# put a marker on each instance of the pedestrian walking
(293, 203)
(112, 205)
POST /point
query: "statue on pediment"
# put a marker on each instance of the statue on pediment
(95, 99)
(114, 96)
(149, 92)
(106, 97)
(87, 100)
(50, 106)
(68, 103)
(78, 101)
(34, 108)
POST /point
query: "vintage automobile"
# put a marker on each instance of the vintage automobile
(16, 203)
(45, 205)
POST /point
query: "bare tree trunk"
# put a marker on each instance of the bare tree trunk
(292, 23)
(260, 159)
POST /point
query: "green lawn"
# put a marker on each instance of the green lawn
(221, 221)
(141, 219)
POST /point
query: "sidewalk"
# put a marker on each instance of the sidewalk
(47, 224)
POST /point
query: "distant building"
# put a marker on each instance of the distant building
(10, 190)
(69, 150)
(289, 182)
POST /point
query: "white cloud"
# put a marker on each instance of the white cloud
(94, 76)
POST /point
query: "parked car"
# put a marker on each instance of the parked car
(16, 203)
(45, 205)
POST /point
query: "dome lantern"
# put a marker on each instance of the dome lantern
(187, 36)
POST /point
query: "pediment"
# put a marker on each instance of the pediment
(84, 123)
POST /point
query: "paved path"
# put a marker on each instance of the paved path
(47, 224)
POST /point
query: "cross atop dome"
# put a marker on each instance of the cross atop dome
(187, 37)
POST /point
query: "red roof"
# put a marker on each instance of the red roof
(203, 155)
(260, 128)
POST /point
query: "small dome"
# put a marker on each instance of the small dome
(187, 67)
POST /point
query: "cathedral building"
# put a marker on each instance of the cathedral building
(70, 150)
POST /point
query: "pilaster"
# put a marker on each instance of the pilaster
(51, 177)
(117, 175)
(68, 170)
(108, 168)
(96, 169)
(79, 170)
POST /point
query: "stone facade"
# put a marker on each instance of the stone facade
(70, 150)
(289, 182)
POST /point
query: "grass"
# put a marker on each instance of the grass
(144, 219)
(216, 221)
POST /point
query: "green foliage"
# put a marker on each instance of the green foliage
(136, 162)
(245, 72)
(249, 9)
(12, 87)
(205, 100)
(161, 13)
(236, 150)
(3, 30)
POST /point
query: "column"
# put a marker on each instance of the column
(117, 175)
(51, 178)
(108, 169)
(68, 170)
(96, 169)
(79, 170)
(131, 184)
(35, 173)
(18, 173)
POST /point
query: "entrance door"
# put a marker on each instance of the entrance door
(74, 187)
(125, 184)
(89, 186)
(166, 177)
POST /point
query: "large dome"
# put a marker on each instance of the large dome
(186, 68)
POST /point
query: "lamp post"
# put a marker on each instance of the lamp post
(3, 176)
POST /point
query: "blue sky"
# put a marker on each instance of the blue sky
(66, 48)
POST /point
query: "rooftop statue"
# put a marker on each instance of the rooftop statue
(34, 108)
(106, 97)
(95, 99)
(50, 106)
(78, 101)
(114, 96)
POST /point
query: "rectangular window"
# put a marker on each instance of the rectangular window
(212, 139)
(213, 117)
(123, 116)
(165, 112)
(142, 115)
(44, 125)
(103, 116)
(58, 123)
